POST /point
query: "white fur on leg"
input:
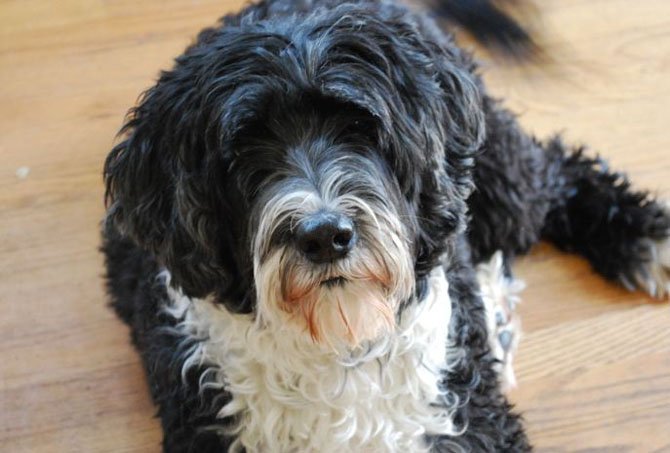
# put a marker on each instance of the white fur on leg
(501, 295)
(654, 277)
(291, 394)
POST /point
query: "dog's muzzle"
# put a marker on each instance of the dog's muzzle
(332, 262)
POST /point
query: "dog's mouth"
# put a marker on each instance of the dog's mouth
(333, 281)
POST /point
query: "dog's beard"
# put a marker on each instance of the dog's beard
(344, 303)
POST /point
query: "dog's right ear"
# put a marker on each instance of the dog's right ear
(157, 182)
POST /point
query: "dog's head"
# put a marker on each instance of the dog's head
(309, 170)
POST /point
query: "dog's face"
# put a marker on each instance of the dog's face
(310, 171)
(329, 228)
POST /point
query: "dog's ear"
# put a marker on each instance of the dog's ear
(447, 183)
(164, 182)
(458, 131)
(169, 182)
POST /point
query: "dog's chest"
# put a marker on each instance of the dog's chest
(292, 395)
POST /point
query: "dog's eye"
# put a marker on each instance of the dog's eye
(360, 128)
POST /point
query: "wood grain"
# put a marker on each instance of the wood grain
(594, 365)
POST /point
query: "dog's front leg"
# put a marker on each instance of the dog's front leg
(527, 190)
(484, 415)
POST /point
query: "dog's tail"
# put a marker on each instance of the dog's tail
(490, 25)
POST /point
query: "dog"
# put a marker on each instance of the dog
(310, 225)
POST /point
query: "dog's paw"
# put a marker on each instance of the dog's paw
(653, 276)
(500, 294)
(653, 273)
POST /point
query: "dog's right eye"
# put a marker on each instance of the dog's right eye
(360, 128)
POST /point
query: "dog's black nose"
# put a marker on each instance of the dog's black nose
(325, 236)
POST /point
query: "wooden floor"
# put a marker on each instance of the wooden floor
(594, 366)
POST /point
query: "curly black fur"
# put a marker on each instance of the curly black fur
(184, 180)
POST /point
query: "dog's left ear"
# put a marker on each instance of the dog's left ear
(454, 125)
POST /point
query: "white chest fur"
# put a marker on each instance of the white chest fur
(293, 395)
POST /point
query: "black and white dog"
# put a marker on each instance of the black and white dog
(309, 228)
